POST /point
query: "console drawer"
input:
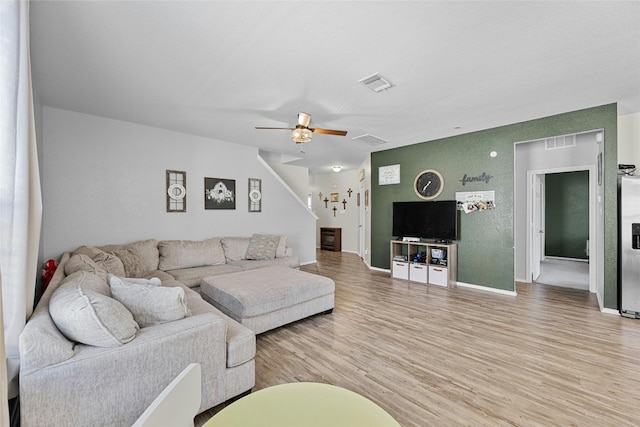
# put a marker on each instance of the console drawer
(438, 275)
(418, 273)
(400, 270)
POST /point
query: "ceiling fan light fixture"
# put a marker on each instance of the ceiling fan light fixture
(300, 135)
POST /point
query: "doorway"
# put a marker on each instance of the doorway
(533, 160)
(562, 227)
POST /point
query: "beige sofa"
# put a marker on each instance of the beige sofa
(65, 381)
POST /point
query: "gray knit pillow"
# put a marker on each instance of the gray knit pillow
(263, 247)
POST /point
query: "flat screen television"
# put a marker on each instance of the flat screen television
(436, 220)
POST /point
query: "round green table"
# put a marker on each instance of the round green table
(302, 405)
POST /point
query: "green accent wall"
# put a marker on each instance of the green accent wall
(485, 247)
(566, 214)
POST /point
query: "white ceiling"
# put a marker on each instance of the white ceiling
(218, 69)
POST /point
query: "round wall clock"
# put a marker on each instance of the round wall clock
(428, 184)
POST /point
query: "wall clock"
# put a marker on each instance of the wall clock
(255, 195)
(428, 184)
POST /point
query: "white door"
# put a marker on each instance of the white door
(537, 225)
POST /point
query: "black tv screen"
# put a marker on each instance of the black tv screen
(428, 220)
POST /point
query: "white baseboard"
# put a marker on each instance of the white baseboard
(309, 262)
(610, 311)
(567, 259)
(384, 270)
(486, 289)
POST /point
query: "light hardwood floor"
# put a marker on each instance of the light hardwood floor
(434, 356)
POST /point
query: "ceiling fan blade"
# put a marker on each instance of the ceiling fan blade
(304, 119)
(260, 127)
(329, 131)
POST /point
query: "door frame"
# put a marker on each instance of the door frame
(593, 237)
(362, 219)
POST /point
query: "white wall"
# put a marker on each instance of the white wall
(296, 177)
(345, 218)
(629, 140)
(104, 182)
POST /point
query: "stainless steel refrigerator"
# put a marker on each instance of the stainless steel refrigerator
(629, 247)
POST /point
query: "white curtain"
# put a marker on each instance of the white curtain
(20, 197)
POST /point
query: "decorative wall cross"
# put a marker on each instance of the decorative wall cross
(349, 191)
(325, 202)
(344, 203)
(334, 211)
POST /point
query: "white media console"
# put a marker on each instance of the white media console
(438, 265)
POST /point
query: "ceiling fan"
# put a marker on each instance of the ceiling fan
(303, 133)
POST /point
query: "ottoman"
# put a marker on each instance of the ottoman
(266, 298)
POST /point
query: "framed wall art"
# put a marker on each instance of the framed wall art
(176, 182)
(255, 195)
(219, 193)
(335, 197)
(389, 175)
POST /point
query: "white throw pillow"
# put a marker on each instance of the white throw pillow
(149, 302)
(84, 312)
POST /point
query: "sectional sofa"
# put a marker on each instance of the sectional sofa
(117, 323)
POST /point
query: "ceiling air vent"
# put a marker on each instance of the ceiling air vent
(370, 139)
(564, 141)
(376, 82)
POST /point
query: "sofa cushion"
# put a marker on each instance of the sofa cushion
(175, 254)
(191, 277)
(262, 247)
(241, 341)
(81, 262)
(147, 250)
(235, 248)
(148, 301)
(106, 261)
(132, 262)
(84, 312)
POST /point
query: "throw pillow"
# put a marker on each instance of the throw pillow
(133, 265)
(84, 312)
(263, 247)
(175, 254)
(150, 304)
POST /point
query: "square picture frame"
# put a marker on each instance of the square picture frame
(335, 197)
(219, 193)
